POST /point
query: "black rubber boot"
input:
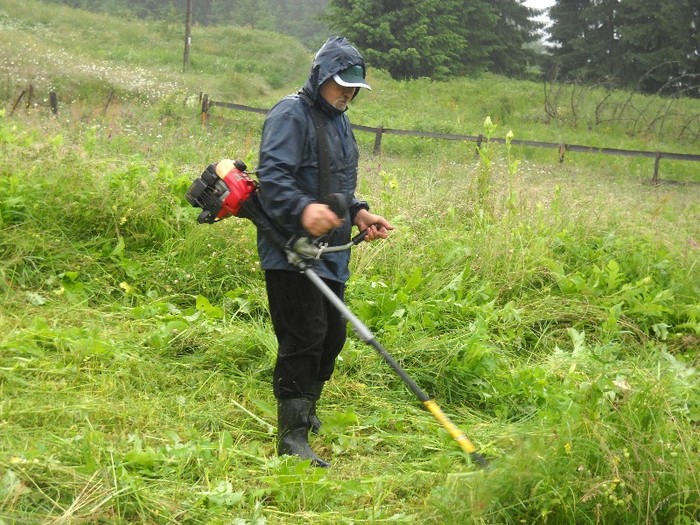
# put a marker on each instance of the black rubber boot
(293, 430)
(314, 421)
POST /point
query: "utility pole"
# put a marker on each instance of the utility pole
(188, 35)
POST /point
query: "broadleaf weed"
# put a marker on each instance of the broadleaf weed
(551, 310)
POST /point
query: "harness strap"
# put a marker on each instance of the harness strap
(323, 149)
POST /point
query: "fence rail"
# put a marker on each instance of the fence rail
(562, 148)
(28, 95)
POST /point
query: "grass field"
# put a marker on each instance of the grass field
(552, 310)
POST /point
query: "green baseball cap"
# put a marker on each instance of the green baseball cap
(354, 76)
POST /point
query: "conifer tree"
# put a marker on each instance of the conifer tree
(437, 38)
(637, 44)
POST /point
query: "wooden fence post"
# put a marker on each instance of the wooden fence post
(378, 140)
(205, 109)
(53, 98)
(109, 100)
(30, 96)
(14, 106)
(562, 150)
(655, 177)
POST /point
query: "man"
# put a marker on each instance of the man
(310, 332)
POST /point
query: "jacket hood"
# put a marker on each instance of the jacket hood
(336, 55)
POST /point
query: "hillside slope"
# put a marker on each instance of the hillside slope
(87, 55)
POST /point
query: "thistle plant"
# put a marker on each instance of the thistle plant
(486, 158)
(512, 165)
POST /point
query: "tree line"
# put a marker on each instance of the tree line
(297, 18)
(648, 45)
(439, 38)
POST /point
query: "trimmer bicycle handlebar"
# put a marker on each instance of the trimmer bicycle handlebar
(310, 249)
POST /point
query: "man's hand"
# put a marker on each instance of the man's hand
(377, 226)
(318, 219)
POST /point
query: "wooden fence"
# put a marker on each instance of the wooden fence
(380, 131)
(28, 95)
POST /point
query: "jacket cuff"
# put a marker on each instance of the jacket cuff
(356, 207)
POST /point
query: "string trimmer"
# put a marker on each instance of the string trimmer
(226, 189)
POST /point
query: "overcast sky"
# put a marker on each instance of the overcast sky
(539, 4)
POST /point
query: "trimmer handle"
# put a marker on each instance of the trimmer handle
(337, 203)
(357, 239)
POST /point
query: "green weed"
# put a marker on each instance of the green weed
(551, 310)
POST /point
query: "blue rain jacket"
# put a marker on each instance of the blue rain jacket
(288, 167)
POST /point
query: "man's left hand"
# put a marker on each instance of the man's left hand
(377, 226)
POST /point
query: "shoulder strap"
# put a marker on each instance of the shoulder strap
(323, 149)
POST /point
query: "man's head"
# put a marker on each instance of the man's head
(342, 87)
(337, 74)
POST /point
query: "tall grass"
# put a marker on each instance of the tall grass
(551, 310)
(559, 327)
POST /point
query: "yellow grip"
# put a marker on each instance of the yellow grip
(455, 432)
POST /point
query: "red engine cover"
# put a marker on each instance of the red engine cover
(240, 187)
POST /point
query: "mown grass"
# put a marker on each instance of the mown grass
(552, 310)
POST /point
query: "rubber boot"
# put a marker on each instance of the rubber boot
(314, 421)
(293, 430)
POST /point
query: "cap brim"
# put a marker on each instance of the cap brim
(352, 81)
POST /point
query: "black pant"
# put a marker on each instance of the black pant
(310, 332)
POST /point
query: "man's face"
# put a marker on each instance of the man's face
(336, 95)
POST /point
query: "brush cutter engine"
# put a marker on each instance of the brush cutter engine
(221, 190)
(225, 189)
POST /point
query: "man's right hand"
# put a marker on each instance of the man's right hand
(318, 219)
